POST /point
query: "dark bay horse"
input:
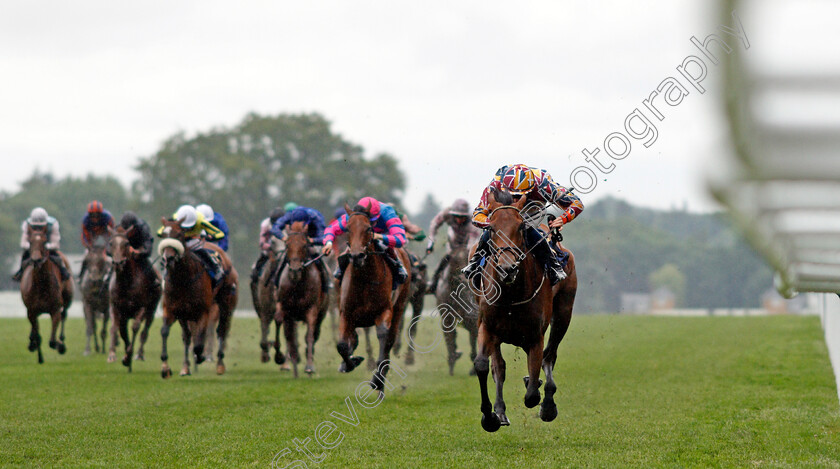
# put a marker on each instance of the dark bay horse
(189, 297)
(135, 292)
(516, 305)
(95, 293)
(453, 290)
(43, 291)
(300, 296)
(366, 298)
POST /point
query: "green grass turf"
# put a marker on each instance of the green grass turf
(633, 392)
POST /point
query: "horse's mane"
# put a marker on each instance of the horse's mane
(502, 197)
(362, 209)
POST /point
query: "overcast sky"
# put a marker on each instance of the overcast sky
(452, 89)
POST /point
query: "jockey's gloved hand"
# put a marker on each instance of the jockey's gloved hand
(327, 248)
(380, 245)
(430, 247)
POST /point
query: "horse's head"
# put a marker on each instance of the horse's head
(120, 248)
(507, 228)
(359, 233)
(97, 260)
(297, 249)
(171, 248)
(38, 245)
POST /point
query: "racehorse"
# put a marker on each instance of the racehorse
(43, 291)
(300, 296)
(516, 306)
(453, 290)
(135, 292)
(265, 304)
(95, 292)
(189, 296)
(366, 297)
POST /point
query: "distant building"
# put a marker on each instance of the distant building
(635, 303)
(663, 298)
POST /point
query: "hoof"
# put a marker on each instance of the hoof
(62, 349)
(139, 357)
(310, 370)
(199, 359)
(531, 401)
(279, 358)
(112, 358)
(286, 367)
(185, 372)
(457, 355)
(527, 380)
(503, 420)
(354, 362)
(53, 344)
(409, 359)
(126, 361)
(166, 373)
(32, 346)
(472, 371)
(490, 422)
(548, 412)
(265, 357)
(86, 353)
(220, 369)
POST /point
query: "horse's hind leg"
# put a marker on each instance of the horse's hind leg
(56, 322)
(222, 331)
(417, 309)
(498, 366)
(265, 325)
(450, 336)
(90, 329)
(279, 358)
(489, 420)
(149, 317)
(112, 351)
(104, 333)
(312, 327)
(165, 371)
(559, 325)
(290, 330)
(129, 343)
(369, 349)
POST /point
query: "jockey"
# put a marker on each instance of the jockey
(216, 219)
(537, 186)
(197, 228)
(139, 237)
(314, 221)
(96, 223)
(265, 242)
(389, 234)
(461, 233)
(39, 220)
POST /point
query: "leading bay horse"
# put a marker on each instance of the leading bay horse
(43, 291)
(189, 296)
(516, 304)
(135, 292)
(95, 292)
(300, 296)
(366, 297)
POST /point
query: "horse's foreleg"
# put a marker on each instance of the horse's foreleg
(56, 322)
(148, 317)
(165, 371)
(104, 332)
(369, 349)
(199, 336)
(312, 327)
(490, 422)
(560, 320)
(279, 358)
(222, 331)
(35, 336)
(129, 346)
(90, 328)
(535, 356)
(265, 325)
(415, 314)
(450, 336)
(497, 364)
(185, 337)
(290, 330)
(348, 340)
(112, 351)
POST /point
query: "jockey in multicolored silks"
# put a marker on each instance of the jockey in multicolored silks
(537, 186)
(314, 221)
(97, 223)
(389, 234)
(196, 228)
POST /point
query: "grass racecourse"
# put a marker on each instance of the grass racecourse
(633, 392)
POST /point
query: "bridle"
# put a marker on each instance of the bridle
(496, 253)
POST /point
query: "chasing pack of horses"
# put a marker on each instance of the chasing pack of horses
(511, 302)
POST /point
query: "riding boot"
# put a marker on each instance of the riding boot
(343, 261)
(474, 265)
(325, 275)
(536, 241)
(211, 265)
(396, 266)
(24, 261)
(431, 288)
(65, 274)
(275, 276)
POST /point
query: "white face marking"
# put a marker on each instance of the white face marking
(167, 230)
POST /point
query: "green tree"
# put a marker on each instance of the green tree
(669, 276)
